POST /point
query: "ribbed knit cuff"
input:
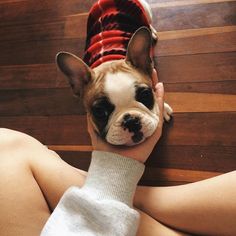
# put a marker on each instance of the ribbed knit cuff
(111, 176)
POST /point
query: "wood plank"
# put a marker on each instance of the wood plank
(220, 42)
(159, 183)
(54, 130)
(177, 3)
(177, 175)
(62, 102)
(44, 51)
(202, 129)
(68, 27)
(196, 60)
(194, 16)
(29, 11)
(152, 175)
(189, 33)
(47, 76)
(72, 148)
(217, 87)
(197, 68)
(32, 77)
(192, 157)
(39, 102)
(183, 70)
(37, 51)
(74, 26)
(201, 102)
(76, 159)
(64, 33)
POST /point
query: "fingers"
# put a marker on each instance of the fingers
(154, 78)
(159, 92)
(89, 125)
(160, 97)
(97, 142)
(91, 131)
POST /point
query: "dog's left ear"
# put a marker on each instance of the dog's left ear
(139, 49)
(77, 72)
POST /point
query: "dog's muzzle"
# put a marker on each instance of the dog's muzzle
(131, 128)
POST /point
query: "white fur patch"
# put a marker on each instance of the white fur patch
(120, 88)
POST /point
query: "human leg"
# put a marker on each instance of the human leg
(150, 227)
(206, 207)
(33, 179)
(23, 207)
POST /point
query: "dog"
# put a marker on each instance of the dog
(114, 79)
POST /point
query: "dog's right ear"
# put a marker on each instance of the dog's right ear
(139, 49)
(77, 72)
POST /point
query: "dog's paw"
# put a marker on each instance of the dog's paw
(167, 113)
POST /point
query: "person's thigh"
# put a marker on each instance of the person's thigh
(32, 180)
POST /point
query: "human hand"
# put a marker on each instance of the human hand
(141, 151)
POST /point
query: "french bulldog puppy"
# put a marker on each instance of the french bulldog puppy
(115, 77)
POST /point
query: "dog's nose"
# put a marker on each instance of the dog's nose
(132, 123)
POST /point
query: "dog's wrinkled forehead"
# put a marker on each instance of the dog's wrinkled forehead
(120, 88)
(119, 82)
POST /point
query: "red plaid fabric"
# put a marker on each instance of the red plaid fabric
(110, 26)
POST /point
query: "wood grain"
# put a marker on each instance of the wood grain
(213, 129)
(173, 23)
(152, 176)
(31, 76)
(196, 60)
(197, 68)
(216, 87)
(177, 175)
(214, 43)
(183, 71)
(21, 53)
(189, 33)
(186, 157)
(32, 102)
(175, 3)
(67, 32)
(192, 16)
(201, 102)
(62, 102)
(27, 11)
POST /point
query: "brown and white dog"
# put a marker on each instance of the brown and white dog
(115, 83)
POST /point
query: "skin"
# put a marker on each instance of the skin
(33, 179)
(36, 179)
(142, 151)
(193, 208)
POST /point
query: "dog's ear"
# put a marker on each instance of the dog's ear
(139, 49)
(77, 72)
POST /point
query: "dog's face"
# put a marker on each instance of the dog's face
(117, 95)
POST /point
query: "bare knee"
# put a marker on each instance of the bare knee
(15, 145)
(15, 139)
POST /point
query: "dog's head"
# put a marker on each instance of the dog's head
(118, 95)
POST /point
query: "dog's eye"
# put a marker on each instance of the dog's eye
(101, 109)
(99, 112)
(145, 96)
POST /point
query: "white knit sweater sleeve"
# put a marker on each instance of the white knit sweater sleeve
(103, 206)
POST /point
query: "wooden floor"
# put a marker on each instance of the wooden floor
(196, 60)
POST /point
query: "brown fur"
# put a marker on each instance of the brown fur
(95, 88)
